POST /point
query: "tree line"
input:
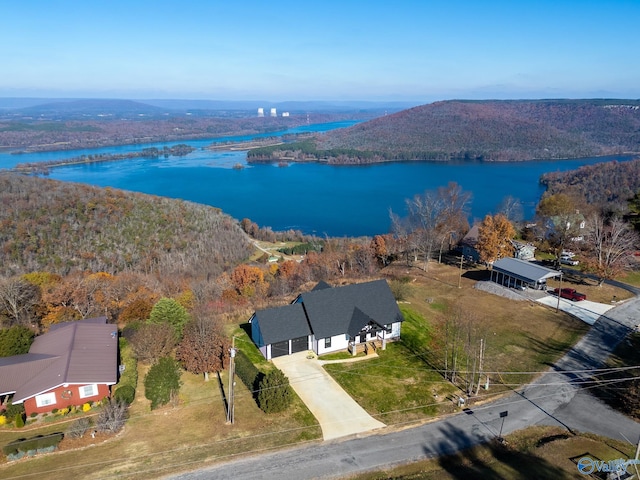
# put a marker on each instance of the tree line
(481, 130)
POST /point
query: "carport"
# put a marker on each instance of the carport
(512, 272)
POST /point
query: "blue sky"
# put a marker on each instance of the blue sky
(278, 50)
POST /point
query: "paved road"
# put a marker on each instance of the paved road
(556, 398)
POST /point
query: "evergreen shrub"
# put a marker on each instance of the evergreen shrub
(19, 421)
(125, 393)
(247, 371)
(274, 394)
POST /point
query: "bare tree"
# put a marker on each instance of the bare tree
(433, 217)
(424, 217)
(561, 220)
(153, 341)
(112, 416)
(17, 297)
(453, 218)
(610, 243)
(401, 231)
(511, 208)
(463, 348)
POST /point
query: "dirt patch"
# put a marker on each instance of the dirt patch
(88, 440)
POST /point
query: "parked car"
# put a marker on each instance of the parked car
(570, 293)
(569, 261)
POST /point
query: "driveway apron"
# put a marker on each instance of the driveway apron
(338, 414)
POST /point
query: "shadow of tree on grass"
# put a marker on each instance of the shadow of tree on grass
(495, 460)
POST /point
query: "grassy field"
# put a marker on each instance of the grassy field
(405, 382)
(403, 385)
(541, 453)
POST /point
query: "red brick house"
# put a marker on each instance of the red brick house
(73, 363)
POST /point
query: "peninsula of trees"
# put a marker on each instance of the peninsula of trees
(512, 130)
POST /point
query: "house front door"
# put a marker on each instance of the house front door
(363, 338)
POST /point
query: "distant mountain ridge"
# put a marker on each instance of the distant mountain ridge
(496, 130)
(94, 108)
(154, 106)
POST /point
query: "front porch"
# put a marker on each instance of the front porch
(370, 346)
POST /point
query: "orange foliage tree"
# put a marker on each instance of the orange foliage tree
(248, 281)
(494, 238)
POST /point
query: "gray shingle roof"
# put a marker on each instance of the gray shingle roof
(330, 311)
(327, 311)
(525, 270)
(79, 352)
(282, 323)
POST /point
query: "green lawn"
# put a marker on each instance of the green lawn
(406, 383)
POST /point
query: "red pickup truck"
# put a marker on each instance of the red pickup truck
(570, 293)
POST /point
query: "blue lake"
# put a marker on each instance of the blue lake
(312, 197)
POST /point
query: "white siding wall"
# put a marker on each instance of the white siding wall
(395, 330)
(338, 342)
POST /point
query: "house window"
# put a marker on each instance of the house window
(88, 390)
(46, 399)
(327, 342)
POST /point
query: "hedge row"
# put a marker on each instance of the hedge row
(38, 443)
(247, 372)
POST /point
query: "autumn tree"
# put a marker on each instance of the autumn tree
(203, 348)
(76, 296)
(153, 341)
(380, 251)
(494, 238)
(248, 280)
(286, 279)
(609, 245)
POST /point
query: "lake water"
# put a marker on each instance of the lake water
(312, 197)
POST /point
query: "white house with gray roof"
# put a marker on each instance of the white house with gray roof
(329, 319)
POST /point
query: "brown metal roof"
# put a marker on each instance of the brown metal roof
(79, 352)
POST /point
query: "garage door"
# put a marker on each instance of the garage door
(299, 344)
(279, 349)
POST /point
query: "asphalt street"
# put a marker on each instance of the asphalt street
(559, 397)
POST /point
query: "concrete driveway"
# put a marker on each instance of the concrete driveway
(338, 414)
(585, 310)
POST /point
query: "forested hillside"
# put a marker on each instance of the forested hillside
(487, 130)
(598, 184)
(59, 227)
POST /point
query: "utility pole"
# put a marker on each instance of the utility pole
(480, 359)
(460, 277)
(232, 382)
(559, 293)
